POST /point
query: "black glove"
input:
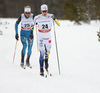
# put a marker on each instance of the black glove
(17, 37)
(53, 17)
(31, 37)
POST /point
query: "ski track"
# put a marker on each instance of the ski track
(79, 55)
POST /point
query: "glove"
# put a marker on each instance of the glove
(31, 37)
(53, 17)
(16, 37)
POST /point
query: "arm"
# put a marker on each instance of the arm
(35, 20)
(32, 26)
(57, 22)
(16, 27)
(33, 16)
(31, 33)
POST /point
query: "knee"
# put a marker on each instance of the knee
(25, 46)
(30, 45)
(41, 54)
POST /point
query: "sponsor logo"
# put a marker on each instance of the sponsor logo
(49, 41)
(23, 40)
(41, 43)
(45, 38)
(43, 21)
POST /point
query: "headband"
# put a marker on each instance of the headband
(27, 9)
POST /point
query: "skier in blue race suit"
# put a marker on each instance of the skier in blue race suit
(26, 33)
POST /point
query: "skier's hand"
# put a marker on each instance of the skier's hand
(31, 40)
(31, 37)
(53, 17)
(17, 37)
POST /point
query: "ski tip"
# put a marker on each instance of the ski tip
(24, 68)
(31, 67)
(42, 75)
(45, 76)
(50, 74)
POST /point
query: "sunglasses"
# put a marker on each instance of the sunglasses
(27, 12)
(44, 11)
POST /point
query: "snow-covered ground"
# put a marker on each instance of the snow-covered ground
(79, 55)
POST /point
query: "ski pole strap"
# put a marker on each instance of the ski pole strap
(58, 23)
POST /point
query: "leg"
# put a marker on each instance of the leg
(41, 59)
(30, 44)
(24, 43)
(41, 49)
(47, 53)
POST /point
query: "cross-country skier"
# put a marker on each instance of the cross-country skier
(44, 24)
(26, 33)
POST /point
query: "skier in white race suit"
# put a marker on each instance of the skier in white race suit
(44, 25)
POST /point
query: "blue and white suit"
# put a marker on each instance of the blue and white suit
(26, 31)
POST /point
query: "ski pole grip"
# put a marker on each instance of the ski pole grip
(58, 23)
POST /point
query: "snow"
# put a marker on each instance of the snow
(79, 56)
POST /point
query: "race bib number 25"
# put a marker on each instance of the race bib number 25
(26, 25)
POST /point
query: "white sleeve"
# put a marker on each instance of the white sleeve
(36, 20)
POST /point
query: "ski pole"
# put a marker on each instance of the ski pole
(37, 38)
(56, 48)
(15, 52)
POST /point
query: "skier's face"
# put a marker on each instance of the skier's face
(27, 14)
(44, 13)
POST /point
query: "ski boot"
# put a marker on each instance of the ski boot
(27, 64)
(22, 61)
(27, 61)
(22, 64)
(41, 72)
